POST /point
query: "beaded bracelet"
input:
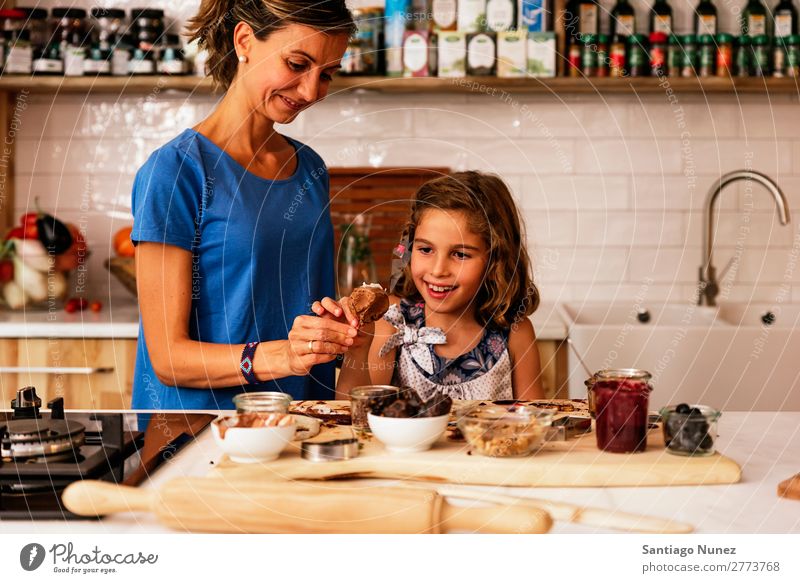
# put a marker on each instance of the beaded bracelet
(246, 364)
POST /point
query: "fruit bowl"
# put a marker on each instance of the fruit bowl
(36, 260)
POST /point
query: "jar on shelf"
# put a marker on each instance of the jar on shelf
(48, 60)
(724, 55)
(674, 56)
(602, 55)
(744, 53)
(638, 56)
(617, 57)
(107, 24)
(142, 62)
(793, 56)
(658, 54)
(147, 25)
(171, 60)
(18, 52)
(707, 56)
(71, 32)
(589, 55)
(760, 65)
(38, 27)
(121, 55)
(779, 57)
(689, 46)
(621, 399)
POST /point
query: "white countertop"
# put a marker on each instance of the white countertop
(118, 320)
(765, 445)
(121, 320)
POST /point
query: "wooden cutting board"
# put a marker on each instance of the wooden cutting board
(576, 462)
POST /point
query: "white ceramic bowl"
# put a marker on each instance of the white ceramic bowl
(406, 435)
(247, 445)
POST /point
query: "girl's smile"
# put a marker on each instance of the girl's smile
(448, 261)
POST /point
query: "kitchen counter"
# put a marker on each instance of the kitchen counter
(765, 445)
(121, 320)
(118, 320)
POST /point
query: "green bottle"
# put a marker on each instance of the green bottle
(785, 19)
(661, 17)
(754, 18)
(705, 18)
(623, 19)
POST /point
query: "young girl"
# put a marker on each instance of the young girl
(458, 321)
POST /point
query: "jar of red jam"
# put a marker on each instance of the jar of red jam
(621, 419)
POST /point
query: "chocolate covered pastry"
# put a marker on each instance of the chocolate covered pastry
(369, 302)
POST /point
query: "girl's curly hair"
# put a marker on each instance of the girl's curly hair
(507, 293)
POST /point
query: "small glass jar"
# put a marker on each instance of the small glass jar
(171, 59)
(793, 56)
(362, 401)
(148, 27)
(689, 42)
(724, 55)
(621, 419)
(707, 56)
(142, 62)
(48, 60)
(263, 402)
(71, 33)
(760, 65)
(39, 27)
(638, 56)
(107, 23)
(743, 55)
(690, 430)
(18, 52)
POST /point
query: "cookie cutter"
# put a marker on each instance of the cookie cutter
(330, 451)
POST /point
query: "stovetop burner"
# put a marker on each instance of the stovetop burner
(42, 453)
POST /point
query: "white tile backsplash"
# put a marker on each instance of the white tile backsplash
(611, 187)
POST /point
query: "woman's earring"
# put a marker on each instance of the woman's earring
(242, 58)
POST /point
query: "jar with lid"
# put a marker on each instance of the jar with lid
(71, 32)
(744, 53)
(142, 61)
(621, 399)
(97, 61)
(689, 44)
(674, 56)
(48, 59)
(724, 54)
(107, 24)
(18, 51)
(262, 402)
(617, 57)
(658, 54)
(589, 55)
(148, 27)
(638, 56)
(602, 55)
(121, 55)
(38, 27)
(171, 59)
(707, 57)
(793, 56)
(760, 60)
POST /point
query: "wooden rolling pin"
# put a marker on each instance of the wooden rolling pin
(213, 505)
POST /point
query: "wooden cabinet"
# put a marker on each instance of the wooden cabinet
(90, 373)
(553, 357)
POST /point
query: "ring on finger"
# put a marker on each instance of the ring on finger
(311, 347)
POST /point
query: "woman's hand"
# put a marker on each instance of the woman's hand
(340, 311)
(314, 341)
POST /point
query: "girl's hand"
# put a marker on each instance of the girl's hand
(315, 341)
(341, 312)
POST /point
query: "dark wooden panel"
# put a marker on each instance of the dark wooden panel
(382, 196)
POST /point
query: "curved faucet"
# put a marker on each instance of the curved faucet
(708, 285)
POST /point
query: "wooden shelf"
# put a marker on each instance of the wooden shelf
(469, 85)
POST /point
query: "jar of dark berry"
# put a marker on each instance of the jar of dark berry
(690, 430)
(621, 399)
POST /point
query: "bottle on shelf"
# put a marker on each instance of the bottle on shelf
(785, 16)
(580, 17)
(705, 18)
(623, 19)
(754, 18)
(661, 17)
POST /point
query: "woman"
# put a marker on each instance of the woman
(233, 235)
